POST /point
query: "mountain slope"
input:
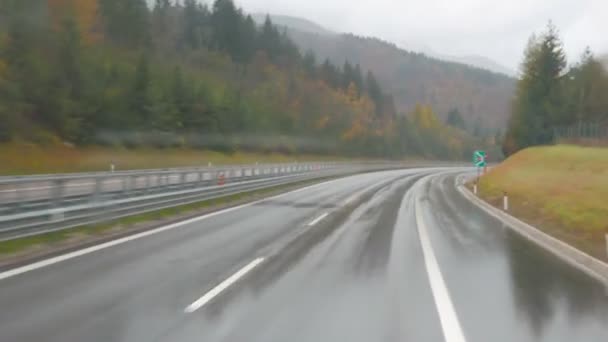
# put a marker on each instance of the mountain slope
(480, 62)
(295, 23)
(148, 78)
(471, 60)
(481, 96)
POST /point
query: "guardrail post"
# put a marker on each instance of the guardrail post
(18, 198)
(97, 189)
(146, 183)
(182, 179)
(127, 183)
(57, 192)
(156, 181)
(131, 185)
(124, 185)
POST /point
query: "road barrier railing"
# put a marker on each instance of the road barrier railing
(34, 205)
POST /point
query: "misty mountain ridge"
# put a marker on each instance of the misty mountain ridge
(294, 23)
(476, 61)
(480, 95)
(308, 26)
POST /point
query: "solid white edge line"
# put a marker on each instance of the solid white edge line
(318, 219)
(47, 262)
(214, 292)
(452, 331)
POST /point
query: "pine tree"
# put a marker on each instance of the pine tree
(192, 35)
(375, 93)
(454, 119)
(225, 24)
(270, 39)
(348, 76)
(358, 78)
(248, 37)
(126, 22)
(330, 74)
(139, 95)
(538, 104)
(309, 63)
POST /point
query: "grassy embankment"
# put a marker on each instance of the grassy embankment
(20, 159)
(562, 190)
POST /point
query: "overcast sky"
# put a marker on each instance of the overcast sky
(495, 29)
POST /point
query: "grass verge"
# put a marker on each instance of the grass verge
(23, 159)
(35, 245)
(562, 190)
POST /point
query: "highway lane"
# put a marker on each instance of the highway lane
(388, 256)
(368, 281)
(137, 290)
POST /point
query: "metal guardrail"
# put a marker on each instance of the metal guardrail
(34, 205)
(20, 193)
(39, 204)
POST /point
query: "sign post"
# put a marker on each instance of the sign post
(479, 161)
(479, 158)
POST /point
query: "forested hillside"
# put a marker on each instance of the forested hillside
(122, 73)
(550, 95)
(483, 97)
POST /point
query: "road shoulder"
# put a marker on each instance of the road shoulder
(594, 267)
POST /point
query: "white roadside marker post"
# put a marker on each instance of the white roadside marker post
(475, 188)
(505, 201)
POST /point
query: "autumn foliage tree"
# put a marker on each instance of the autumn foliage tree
(124, 73)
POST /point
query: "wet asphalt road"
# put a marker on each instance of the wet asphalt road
(386, 256)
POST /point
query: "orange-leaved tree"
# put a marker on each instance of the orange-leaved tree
(83, 12)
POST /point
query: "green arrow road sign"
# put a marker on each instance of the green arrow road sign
(479, 158)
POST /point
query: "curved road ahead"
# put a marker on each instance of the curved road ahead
(386, 256)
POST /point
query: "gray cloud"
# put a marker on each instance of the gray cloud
(495, 29)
